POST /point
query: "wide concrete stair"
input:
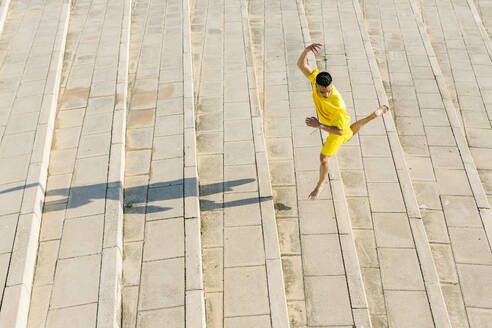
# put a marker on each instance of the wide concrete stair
(465, 55)
(78, 266)
(32, 45)
(242, 270)
(392, 253)
(155, 165)
(162, 269)
(323, 281)
(436, 62)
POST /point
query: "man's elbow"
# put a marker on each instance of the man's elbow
(339, 132)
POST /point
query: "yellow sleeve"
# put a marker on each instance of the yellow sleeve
(313, 75)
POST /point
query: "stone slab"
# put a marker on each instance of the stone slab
(156, 292)
(327, 301)
(245, 291)
(76, 281)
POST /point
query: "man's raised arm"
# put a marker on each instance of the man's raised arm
(302, 61)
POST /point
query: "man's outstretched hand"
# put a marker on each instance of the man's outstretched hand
(312, 122)
(302, 61)
(315, 47)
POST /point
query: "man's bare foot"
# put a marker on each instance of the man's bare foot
(381, 110)
(315, 193)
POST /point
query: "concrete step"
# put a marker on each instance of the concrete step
(455, 208)
(78, 269)
(162, 269)
(32, 44)
(242, 270)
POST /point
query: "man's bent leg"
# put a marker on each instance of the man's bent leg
(360, 123)
(323, 174)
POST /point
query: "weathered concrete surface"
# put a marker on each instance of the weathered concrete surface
(381, 201)
(80, 244)
(422, 64)
(31, 56)
(162, 273)
(242, 270)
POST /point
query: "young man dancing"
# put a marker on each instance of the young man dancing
(331, 113)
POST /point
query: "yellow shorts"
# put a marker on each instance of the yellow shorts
(333, 142)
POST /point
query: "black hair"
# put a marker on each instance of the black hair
(323, 79)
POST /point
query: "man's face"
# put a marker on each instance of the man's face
(324, 91)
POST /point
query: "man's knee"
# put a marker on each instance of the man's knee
(323, 159)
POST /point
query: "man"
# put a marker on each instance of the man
(331, 113)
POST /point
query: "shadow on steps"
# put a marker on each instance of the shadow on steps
(139, 195)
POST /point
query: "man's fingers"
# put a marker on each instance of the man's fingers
(315, 47)
(312, 122)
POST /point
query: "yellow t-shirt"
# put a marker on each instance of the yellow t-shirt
(331, 110)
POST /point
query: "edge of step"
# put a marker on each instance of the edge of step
(109, 308)
(485, 213)
(17, 292)
(478, 191)
(429, 271)
(4, 8)
(194, 290)
(276, 286)
(488, 43)
(481, 26)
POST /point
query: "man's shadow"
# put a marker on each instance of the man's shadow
(139, 199)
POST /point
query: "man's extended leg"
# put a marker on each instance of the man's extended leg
(323, 174)
(360, 123)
